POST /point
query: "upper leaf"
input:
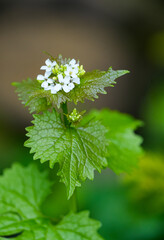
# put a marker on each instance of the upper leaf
(26, 90)
(94, 82)
(78, 150)
(124, 145)
(91, 84)
(22, 191)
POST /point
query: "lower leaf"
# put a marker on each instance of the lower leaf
(22, 189)
(124, 147)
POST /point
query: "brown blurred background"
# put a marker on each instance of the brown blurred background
(98, 33)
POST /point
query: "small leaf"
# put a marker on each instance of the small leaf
(22, 190)
(92, 83)
(124, 145)
(78, 150)
(26, 91)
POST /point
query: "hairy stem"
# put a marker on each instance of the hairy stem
(73, 200)
(65, 111)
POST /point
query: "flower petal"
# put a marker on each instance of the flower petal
(72, 62)
(43, 68)
(60, 78)
(58, 87)
(71, 86)
(40, 77)
(44, 84)
(75, 70)
(53, 63)
(50, 80)
(69, 68)
(48, 62)
(76, 80)
(66, 88)
(66, 80)
(48, 88)
(53, 90)
(76, 65)
(67, 73)
(74, 75)
(47, 74)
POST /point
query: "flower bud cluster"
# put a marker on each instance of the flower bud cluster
(60, 77)
(75, 116)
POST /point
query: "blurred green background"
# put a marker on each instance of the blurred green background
(100, 33)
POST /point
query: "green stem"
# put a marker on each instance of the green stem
(73, 202)
(73, 199)
(65, 111)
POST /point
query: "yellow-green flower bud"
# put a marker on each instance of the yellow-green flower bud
(81, 71)
(75, 116)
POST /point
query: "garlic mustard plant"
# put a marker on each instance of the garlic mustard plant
(79, 143)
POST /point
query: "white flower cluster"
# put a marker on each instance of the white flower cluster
(60, 77)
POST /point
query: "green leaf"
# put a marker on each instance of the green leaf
(78, 150)
(124, 145)
(82, 226)
(92, 83)
(26, 91)
(22, 191)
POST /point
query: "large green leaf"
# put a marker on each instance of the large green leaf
(124, 145)
(37, 99)
(22, 191)
(78, 150)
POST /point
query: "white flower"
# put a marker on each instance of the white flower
(65, 80)
(73, 63)
(68, 88)
(41, 77)
(49, 65)
(76, 80)
(47, 74)
(65, 83)
(56, 88)
(48, 68)
(45, 85)
(50, 80)
(71, 72)
(60, 80)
